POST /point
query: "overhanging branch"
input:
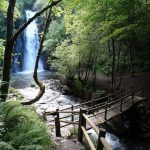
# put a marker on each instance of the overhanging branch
(34, 17)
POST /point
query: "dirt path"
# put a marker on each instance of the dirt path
(68, 144)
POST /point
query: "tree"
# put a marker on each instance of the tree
(10, 40)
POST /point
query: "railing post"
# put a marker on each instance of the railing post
(102, 133)
(82, 122)
(57, 124)
(106, 105)
(93, 101)
(72, 117)
(109, 98)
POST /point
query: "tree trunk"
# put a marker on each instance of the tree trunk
(35, 76)
(113, 65)
(131, 61)
(8, 50)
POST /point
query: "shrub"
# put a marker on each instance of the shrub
(22, 129)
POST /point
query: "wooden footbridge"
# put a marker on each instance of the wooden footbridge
(95, 112)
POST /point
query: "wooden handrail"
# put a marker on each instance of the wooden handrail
(65, 121)
(88, 139)
(68, 124)
(101, 140)
(97, 114)
(107, 106)
(65, 125)
(91, 124)
(105, 144)
(97, 99)
(68, 111)
(90, 109)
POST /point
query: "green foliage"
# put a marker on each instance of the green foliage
(40, 4)
(55, 35)
(66, 58)
(3, 5)
(92, 25)
(21, 128)
(2, 48)
(5, 146)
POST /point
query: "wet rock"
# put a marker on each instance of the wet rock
(66, 89)
(64, 100)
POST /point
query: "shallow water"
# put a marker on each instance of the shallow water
(24, 79)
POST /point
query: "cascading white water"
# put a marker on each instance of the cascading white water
(31, 45)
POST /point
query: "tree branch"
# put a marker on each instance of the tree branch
(34, 17)
(35, 76)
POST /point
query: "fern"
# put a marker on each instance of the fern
(22, 128)
(31, 147)
(5, 146)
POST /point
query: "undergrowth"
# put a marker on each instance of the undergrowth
(21, 128)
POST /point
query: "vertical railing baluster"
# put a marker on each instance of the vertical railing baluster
(102, 133)
(93, 103)
(105, 117)
(57, 124)
(82, 122)
(72, 116)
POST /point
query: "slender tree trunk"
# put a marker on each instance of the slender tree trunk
(35, 76)
(113, 65)
(117, 67)
(122, 71)
(131, 61)
(8, 50)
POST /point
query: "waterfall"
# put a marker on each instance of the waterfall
(31, 44)
(19, 48)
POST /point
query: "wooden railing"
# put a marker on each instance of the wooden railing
(110, 102)
(95, 101)
(101, 142)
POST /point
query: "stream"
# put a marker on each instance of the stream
(53, 98)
